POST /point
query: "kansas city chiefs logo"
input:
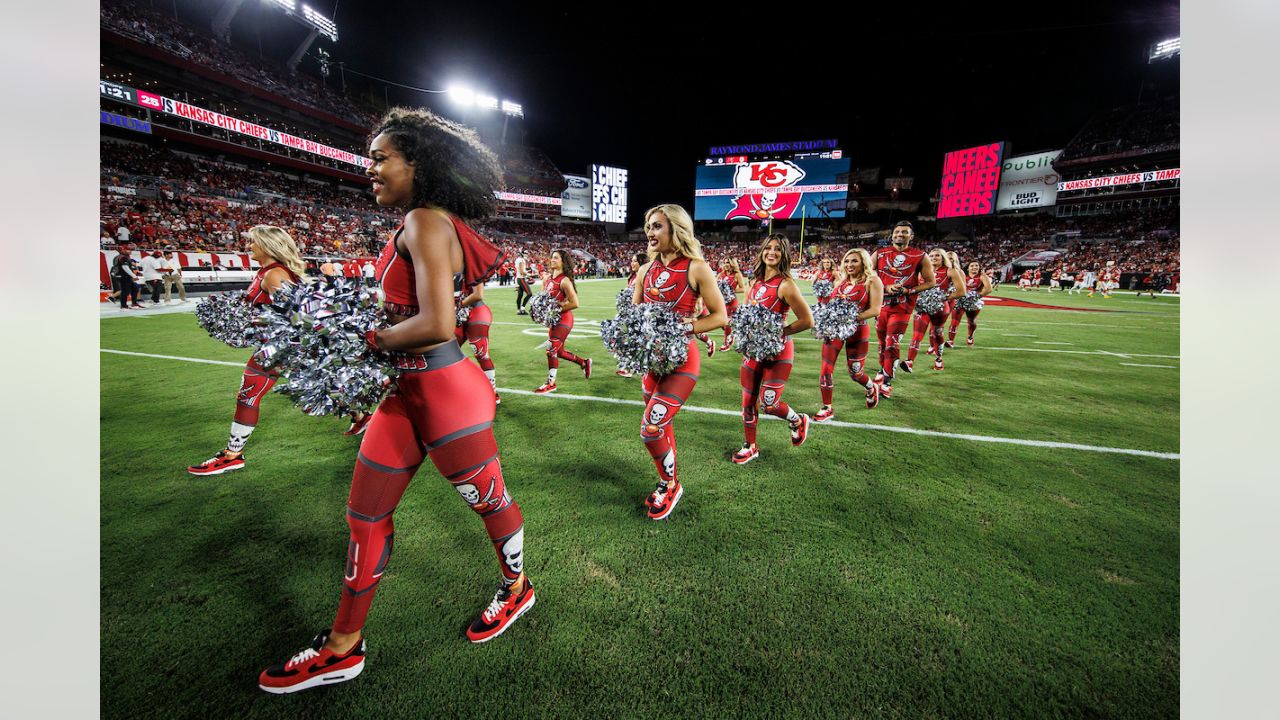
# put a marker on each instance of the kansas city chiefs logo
(763, 183)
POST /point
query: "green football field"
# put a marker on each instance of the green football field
(999, 539)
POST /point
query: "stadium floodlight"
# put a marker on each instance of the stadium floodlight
(287, 5)
(487, 102)
(321, 23)
(512, 109)
(461, 94)
(1165, 49)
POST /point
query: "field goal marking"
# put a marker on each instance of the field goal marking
(738, 413)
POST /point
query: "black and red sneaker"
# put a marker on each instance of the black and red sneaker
(317, 665)
(217, 464)
(505, 609)
(800, 431)
(586, 369)
(663, 499)
(359, 426)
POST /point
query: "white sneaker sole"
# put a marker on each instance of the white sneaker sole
(217, 472)
(527, 606)
(672, 506)
(744, 462)
(328, 678)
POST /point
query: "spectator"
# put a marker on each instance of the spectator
(151, 274)
(173, 275)
(122, 270)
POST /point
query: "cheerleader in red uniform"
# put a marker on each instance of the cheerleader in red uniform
(638, 261)
(763, 380)
(273, 249)
(732, 274)
(560, 286)
(826, 271)
(475, 330)
(947, 278)
(676, 276)
(857, 283)
(443, 407)
(980, 283)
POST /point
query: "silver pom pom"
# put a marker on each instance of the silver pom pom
(228, 317)
(544, 310)
(836, 320)
(463, 314)
(930, 302)
(970, 301)
(648, 337)
(757, 332)
(726, 291)
(624, 297)
(315, 335)
(823, 288)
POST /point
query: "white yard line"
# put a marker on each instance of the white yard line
(1172, 367)
(1049, 342)
(738, 413)
(1016, 335)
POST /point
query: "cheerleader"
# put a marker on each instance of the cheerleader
(443, 408)
(980, 283)
(560, 286)
(475, 330)
(763, 380)
(732, 274)
(277, 254)
(826, 271)
(637, 261)
(857, 283)
(947, 278)
(676, 276)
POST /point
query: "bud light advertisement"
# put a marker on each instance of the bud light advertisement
(765, 190)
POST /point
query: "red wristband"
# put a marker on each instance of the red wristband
(371, 338)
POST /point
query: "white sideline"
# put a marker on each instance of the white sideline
(738, 413)
(1172, 367)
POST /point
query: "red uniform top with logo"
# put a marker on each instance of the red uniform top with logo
(258, 295)
(856, 293)
(765, 292)
(899, 268)
(480, 259)
(942, 281)
(669, 284)
(553, 288)
(829, 276)
(974, 284)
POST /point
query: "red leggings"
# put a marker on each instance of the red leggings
(663, 397)
(443, 411)
(955, 322)
(889, 328)
(930, 324)
(855, 347)
(557, 335)
(762, 384)
(476, 332)
(255, 384)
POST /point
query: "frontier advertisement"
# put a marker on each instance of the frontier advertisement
(970, 181)
(771, 189)
(1028, 181)
(575, 201)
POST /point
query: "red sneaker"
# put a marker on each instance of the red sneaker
(545, 388)
(728, 343)
(905, 365)
(969, 342)
(497, 399)
(950, 343)
(623, 373)
(873, 396)
(314, 666)
(711, 347)
(505, 609)
(879, 378)
(748, 453)
(937, 364)
(800, 432)
(586, 368)
(886, 391)
(217, 464)
(359, 426)
(826, 413)
(663, 500)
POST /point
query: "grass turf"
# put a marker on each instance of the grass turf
(867, 573)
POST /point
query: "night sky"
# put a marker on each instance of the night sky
(898, 85)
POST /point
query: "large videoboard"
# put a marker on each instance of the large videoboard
(737, 188)
(970, 181)
(608, 194)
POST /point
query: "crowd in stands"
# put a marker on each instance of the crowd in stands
(143, 24)
(1152, 126)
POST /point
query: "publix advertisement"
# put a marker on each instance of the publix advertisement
(1028, 181)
